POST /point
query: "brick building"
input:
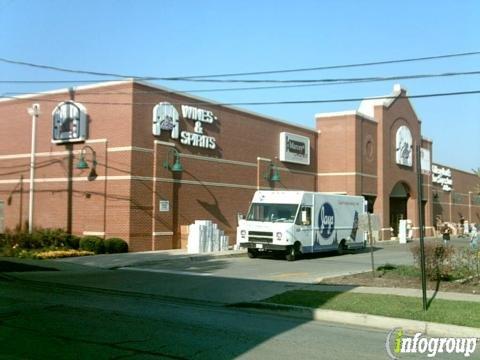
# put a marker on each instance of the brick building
(134, 134)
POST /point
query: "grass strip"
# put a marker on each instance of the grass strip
(461, 313)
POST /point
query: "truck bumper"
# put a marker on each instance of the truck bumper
(263, 246)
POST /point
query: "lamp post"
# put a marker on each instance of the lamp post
(272, 174)
(82, 163)
(34, 111)
(177, 167)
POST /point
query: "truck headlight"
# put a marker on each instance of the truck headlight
(279, 236)
(243, 233)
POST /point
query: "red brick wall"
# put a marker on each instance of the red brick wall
(80, 206)
(464, 199)
(216, 184)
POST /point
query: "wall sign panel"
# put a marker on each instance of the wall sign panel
(69, 123)
(294, 148)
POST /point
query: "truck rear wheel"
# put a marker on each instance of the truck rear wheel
(342, 247)
(252, 253)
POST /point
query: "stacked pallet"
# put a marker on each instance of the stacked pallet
(205, 236)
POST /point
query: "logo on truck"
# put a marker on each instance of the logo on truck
(326, 220)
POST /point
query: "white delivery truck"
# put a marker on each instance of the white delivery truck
(295, 222)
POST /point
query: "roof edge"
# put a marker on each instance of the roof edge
(159, 87)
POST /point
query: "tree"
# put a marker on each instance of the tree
(477, 172)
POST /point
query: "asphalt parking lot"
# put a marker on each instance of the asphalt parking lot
(309, 269)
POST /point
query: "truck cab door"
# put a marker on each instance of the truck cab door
(304, 228)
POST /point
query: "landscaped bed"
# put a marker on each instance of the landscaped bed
(403, 276)
(56, 243)
(447, 268)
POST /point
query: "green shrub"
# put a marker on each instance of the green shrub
(73, 242)
(52, 237)
(26, 240)
(466, 263)
(39, 239)
(115, 246)
(92, 243)
(438, 260)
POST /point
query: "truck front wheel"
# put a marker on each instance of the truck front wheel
(293, 252)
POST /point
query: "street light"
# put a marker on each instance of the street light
(82, 163)
(177, 166)
(34, 111)
(272, 174)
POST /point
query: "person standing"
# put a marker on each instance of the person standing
(446, 234)
(473, 237)
(461, 230)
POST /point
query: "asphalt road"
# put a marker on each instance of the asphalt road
(41, 321)
(179, 310)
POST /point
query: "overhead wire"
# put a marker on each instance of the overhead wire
(253, 103)
(199, 77)
(293, 83)
(320, 82)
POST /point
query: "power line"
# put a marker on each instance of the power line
(320, 82)
(420, 96)
(289, 102)
(198, 77)
(62, 69)
(51, 81)
(344, 66)
(335, 80)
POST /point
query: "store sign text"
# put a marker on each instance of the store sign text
(166, 118)
(294, 148)
(197, 138)
(443, 177)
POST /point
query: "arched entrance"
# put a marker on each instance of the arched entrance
(398, 205)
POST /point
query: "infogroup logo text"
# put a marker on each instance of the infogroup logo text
(398, 343)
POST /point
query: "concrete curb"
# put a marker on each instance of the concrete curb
(372, 321)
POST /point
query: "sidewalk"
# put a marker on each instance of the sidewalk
(395, 291)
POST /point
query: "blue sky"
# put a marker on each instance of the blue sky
(177, 38)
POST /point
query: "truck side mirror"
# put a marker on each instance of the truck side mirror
(240, 216)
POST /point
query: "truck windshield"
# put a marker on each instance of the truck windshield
(273, 212)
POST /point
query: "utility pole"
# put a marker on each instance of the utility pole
(421, 221)
(34, 111)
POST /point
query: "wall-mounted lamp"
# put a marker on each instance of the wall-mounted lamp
(82, 163)
(272, 174)
(177, 165)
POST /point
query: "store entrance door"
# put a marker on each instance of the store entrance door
(398, 206)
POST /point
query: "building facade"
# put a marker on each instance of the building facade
(137, 137)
